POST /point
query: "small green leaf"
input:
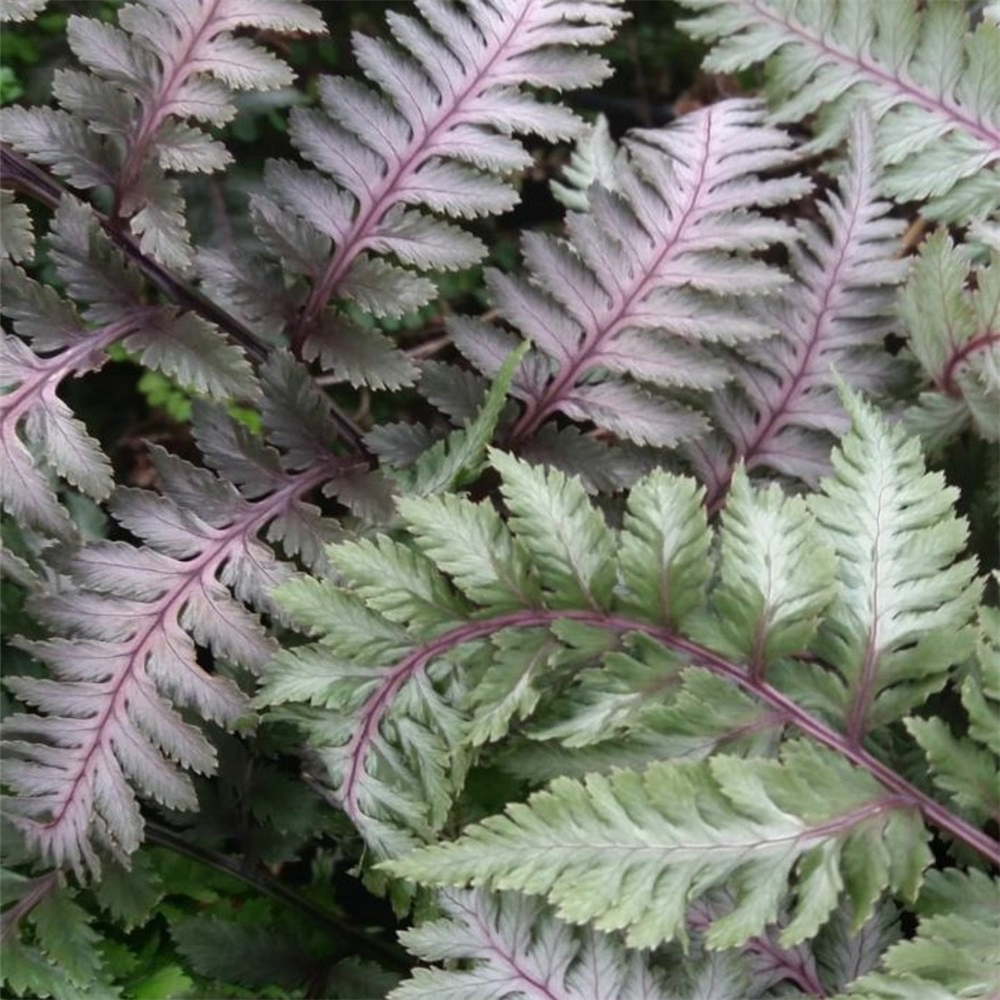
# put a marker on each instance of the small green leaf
(777, 577)
(664, 552)
(568, 540)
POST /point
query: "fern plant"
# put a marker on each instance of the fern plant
(629, 636)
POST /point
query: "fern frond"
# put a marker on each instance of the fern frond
(21, 10)
(593, 161)
(966, 766)
(17, 236)
(125, 124)
(623, 310)
(55, 342)
(458, 459)
(955, 951)
(777, 577)
(61, 957)
(845, 953)
(602, 467)
(769, 961)
(632, 851)
(932, 83)
(833, 319)
(588, 645)
(516, 946)
(952, 316)
(902, 614)
(645, 699)
(433, 137)
(385, 727)
(123, 650)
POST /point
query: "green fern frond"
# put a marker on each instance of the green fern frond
(777, 577)
(950, 310)
(956, 951)
(632, 851)
(902, 615)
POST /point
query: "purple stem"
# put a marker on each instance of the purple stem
(386, 191)
(903, 86)
(378, 704)
(947, 378)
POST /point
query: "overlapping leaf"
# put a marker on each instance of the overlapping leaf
(631, 851)
(955, 951)
(966, 766)
(54, 341)
(431, 136)
(902, 615)
(124, 632)
(777, 577)
(622, 311)
(930, 79)
(952, 316)
(516, 946)
(125, 124)
(831, 322)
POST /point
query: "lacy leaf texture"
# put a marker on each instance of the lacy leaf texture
(631, 638)
(431, 138)
(557, 627)
(933, 84)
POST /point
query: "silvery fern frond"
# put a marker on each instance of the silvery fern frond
(125, 630)
(952, 316)
(54, 340)
(902, 615)
(17, 235)
(126, 122)
(431, 136)
(930, 79)
(649, 278)
(21, 10)
(520, 950)
(784, 409)
(632, 851)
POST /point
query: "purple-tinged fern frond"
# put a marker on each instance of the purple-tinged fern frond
(17, 235)
(509, 945)
(125, 123)
(926, 72)
(768, 961)
(125, 632)
(433, 137)
(625, 308)
(53, 341)
(831, 323)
